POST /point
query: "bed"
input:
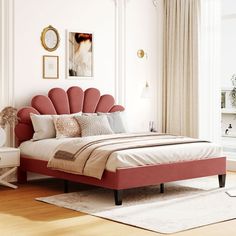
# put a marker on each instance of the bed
(206, 160)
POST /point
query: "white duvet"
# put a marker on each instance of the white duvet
(44, 150)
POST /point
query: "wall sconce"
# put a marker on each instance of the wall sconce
(140, 53)
(146, 93)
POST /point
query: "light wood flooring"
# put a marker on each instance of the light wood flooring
(20, 214)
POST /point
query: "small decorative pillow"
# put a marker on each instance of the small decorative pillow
(115, 120)
(43, 126)
(93, 125)
(66, 126)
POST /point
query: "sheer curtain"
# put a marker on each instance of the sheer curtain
(180, 71)
(209, 71)
(191, 83)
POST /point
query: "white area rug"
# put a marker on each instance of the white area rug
(184, 205)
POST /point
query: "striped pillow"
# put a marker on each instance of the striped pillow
(93, 125)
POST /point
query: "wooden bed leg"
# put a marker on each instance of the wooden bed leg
(118, 197)
(222, 180)
(162, 189)
(66, 186)
(21, 176)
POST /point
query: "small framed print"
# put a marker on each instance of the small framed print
(50, 67)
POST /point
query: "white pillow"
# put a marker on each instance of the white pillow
(116, 122)
(44, 126)
(93, 125)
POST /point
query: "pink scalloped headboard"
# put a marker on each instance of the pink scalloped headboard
(60, 101)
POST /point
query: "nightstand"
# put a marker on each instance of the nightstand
(9, 158)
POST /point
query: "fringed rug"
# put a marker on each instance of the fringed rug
(184, 205)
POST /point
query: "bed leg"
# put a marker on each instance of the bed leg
(66, 186)
(222, 180)
(21, 176)
(162, 189)
(118, 197)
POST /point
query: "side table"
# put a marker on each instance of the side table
(9, 158)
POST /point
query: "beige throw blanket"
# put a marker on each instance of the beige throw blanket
(88, 156)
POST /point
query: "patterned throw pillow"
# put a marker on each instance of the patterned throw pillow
(93, 125)
(66, 126)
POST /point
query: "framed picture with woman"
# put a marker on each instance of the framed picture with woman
(80, 55)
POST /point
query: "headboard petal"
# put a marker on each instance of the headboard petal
(91, 99)
(24, 114)
(43, 104)
(60, 100)
(24, 132)
(76, 99)
(105, 103)
(117, 108)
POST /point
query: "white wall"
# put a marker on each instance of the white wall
(142, 32)
(140, 28)
(31, 16)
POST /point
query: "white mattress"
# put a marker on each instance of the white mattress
(44, 150)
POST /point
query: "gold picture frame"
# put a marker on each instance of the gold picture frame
(80, 64)
(50, 67)
(50, 38)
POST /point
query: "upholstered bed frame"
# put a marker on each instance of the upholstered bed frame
(75, 100)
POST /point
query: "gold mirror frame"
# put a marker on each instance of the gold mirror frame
(43, 34)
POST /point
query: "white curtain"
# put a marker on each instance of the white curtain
(209, 71)
(180, 71)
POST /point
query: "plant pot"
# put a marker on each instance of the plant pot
(2, 136)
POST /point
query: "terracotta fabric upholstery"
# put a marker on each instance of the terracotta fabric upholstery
(24, 131)
(76, 99)
(60, 101)
(43, 104)
(24, 114)
(91, 99)
(117, 108)
(105, 104)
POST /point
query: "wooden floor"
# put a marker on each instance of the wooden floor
(20, 214)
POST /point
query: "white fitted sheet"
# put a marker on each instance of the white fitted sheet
(44, 150)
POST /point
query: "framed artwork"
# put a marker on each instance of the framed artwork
(79, 55)
(50, 67)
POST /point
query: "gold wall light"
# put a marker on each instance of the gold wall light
(140, 53)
